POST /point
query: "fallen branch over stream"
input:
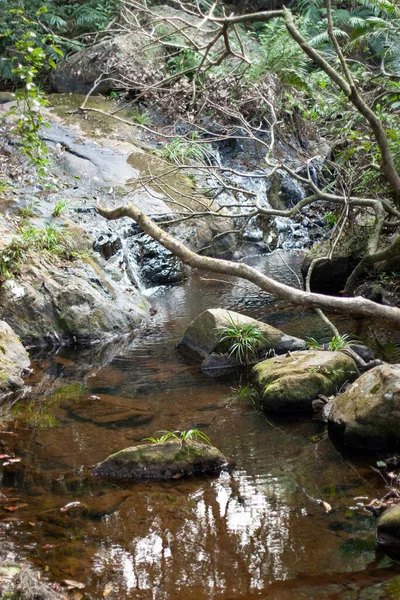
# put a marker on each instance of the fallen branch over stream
(355, 307)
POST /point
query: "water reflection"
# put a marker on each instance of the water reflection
(250, 533)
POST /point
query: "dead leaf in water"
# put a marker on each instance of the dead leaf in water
(74, 584)
(107, 590)
(70, 505)
(327, 506)
(16, 507)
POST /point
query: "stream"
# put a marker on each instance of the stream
(253, 532)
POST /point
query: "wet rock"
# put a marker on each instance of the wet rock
(120, 57)
(14, 359)
(202, 337)
(217, 365)
(293, 382)
(6, 97)
(158, 266)
(170, 460)
(107, 245)
(329, 276)
(367, 414)
(73, 304)
(388, 529)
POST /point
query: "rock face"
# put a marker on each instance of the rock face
(329, 276)
(170, 460)
(78, 304)
(118, 58)
(388, 529)
(202, 336)
(367, 414)
(293, 382)
(13, 360)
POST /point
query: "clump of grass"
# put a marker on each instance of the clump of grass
(338, 342)
(59, 207)
(182, 150)
(48, 239)
(244, 339)
(181, 436)
(141, 117)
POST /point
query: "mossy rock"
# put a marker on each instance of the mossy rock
(203, 337)
(367, 414)
(388, 529)
(293, 382)
(171, 460)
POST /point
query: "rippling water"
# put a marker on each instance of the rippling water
(254, 532)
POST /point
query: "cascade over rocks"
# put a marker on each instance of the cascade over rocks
(202, 337)
(170, 460)
(367, 414)
(293, 382)
(13, 360)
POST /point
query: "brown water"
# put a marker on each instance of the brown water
(250, 533)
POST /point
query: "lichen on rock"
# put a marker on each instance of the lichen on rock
(293, 382)
(367, 414)
(169, 460)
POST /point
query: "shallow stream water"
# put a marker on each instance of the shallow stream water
(254, 532)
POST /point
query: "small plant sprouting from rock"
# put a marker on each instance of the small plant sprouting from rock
(59, 207)
(181, 436)
(244, 339)
(338, 342)
(141, 117)
(182, 150)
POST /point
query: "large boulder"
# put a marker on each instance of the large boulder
(293, 382)
(170, 460)
(329, 275)
(118, 59)
(203, 337)
(388, 529)
(367, 414)
(13, 360)
(77, 303)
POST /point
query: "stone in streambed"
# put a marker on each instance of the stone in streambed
(170, 460)
(388, 529)
(203, 336)
(14, 359)
(367, 414)
(293, 382)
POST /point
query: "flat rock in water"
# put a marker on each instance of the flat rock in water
(170, 460)
(367, 414)
(203, 337)
(293, 382)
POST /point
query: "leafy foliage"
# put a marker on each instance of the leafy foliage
(30, 58)
(48, 239)
(281, 55)
(338, 342)
(244, 339)
(182, 150)
(182, 436)
(64, 20)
